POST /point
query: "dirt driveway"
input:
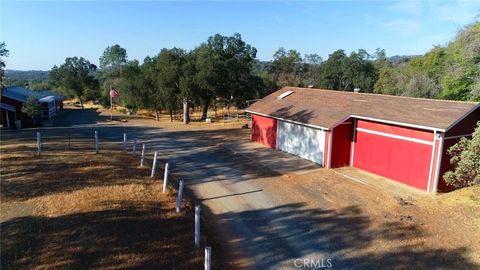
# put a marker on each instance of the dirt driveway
(276, 211)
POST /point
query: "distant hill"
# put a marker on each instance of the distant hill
(26, 75)
(397, 59)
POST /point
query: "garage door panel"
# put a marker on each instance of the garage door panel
(302, 141)
(405, 161)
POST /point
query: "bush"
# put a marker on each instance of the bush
(466, 161)
(131, 108)
(31, 107)
(104, 101)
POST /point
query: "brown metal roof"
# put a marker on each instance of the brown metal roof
(327, 108)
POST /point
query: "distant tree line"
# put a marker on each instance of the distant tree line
(25, 77)
(448, 72)
(224, 71)
(216, 73)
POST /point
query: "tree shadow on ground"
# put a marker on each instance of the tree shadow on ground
(272, 237)
(130, 236)
(70, 117)
(57, 169)
(87, 116)
(26, 176)
(277, 236)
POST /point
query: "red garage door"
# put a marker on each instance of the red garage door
(264, 130)
(398, 153)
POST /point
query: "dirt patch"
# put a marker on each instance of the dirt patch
(378, 228)
(79, 210)
(272, 218)
(411, 229)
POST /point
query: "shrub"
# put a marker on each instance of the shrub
(31, 107)
(465, 157)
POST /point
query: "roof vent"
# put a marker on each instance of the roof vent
(285, 94)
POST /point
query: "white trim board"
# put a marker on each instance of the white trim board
(358, 117)
(330, 146)
(395, 136)
(288, 121)
(354, 139)
(397, 123)
(439, 163)
(458, 136)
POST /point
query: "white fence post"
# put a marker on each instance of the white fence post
(134, 148)
(165, 178)
(208, 258)
(125, 142)
(197, 226)
(39, 143)
(142, 160)
(96, 142)
(180, 195)
(154, 166)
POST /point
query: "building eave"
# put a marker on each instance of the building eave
(287, 120)
(354, 116)
(463, 117)
(398, 123)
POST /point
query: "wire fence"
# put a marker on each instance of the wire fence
(67, 140)
(236, 117)
(122, 144)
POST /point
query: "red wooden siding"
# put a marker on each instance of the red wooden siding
(397, 130)
(341, 143)
(401, 160)
(264, 130)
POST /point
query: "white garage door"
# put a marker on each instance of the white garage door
(306, 142)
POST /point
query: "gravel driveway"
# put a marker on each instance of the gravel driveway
(276, 211)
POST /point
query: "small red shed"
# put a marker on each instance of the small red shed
(13, 98)
(401, 138)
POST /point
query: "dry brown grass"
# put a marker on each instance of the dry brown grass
(464, 204)
(75, 209)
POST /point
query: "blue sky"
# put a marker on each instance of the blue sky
(42, 34)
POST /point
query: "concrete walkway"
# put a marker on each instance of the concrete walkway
(278, 161)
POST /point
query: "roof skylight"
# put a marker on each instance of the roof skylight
(285, 94)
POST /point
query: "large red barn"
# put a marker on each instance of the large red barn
(401, 138)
